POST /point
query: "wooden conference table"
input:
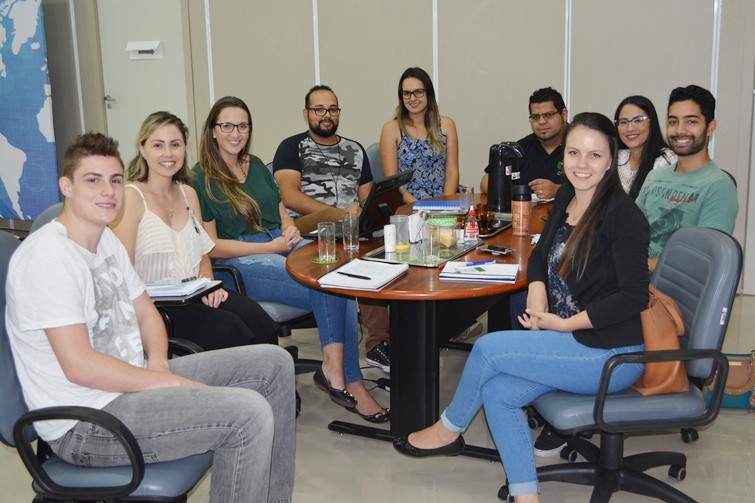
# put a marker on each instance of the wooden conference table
(424, 313)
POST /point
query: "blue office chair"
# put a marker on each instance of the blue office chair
(700, 269)
(56, 479)
(376, 165)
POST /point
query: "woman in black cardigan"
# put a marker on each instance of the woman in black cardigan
(588, 282)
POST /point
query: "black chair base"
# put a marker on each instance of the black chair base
(608, 471)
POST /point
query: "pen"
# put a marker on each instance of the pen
(357, 276)
(482, 262)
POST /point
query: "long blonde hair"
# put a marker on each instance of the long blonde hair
(432, 114)
(138, 169)
(215, 169)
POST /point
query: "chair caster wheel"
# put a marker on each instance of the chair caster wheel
(568, 454)
(503, 494)
(534, 419)
(689, 435)
(677, 472)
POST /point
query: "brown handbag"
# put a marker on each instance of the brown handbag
(661, 328)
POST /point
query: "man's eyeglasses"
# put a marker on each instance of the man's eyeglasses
(637, 121)
(547, 116)
(321, 111)
(417, 93)
(227, 127)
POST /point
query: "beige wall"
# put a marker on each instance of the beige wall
(491, 55)
(487, 70)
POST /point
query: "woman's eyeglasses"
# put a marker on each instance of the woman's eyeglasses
(417, 93)
(228, 127)
(637, 121)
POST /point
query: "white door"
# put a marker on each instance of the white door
(134, 88)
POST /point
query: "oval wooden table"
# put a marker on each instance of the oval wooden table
(424, 313)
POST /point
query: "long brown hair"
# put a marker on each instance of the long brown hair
(432, 114)
(138, 169)
(215, 169)
(579, 245)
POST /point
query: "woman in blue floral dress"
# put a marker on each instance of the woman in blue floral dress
(420, 139)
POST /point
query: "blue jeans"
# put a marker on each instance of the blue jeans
(507, 370)
(267, 280)
(245, 416)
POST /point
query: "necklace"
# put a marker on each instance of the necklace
(573, 214)
(330, 170)
(244, 174)
(156, 198)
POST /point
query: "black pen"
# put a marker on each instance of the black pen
(357, 276)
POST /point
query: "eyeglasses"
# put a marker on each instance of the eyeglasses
(321, 111)
(227, 127)
(637, 121)
(417, 93)
(547, 116)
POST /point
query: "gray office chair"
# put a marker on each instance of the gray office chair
(54, 478)
(699, 268)
(46, 216)
(376, 166)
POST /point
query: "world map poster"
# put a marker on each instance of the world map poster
(28, 170)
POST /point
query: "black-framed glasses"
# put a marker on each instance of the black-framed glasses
(321, 111)
(417, 93)
(547, 116)
(637, 121)
(228, 127)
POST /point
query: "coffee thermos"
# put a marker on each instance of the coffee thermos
(503, 172)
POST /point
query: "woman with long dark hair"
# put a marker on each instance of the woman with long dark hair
(588, 282)
(243, 214)
(419, 138)
(641, 144)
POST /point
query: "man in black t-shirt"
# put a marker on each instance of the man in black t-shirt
(543, 149)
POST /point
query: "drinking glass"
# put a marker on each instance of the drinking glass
(402, 232)
(466, 197)
(326, 241)
(350, 224)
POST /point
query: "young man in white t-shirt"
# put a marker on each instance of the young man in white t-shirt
(84, 332)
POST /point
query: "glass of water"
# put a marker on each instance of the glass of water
(350, 224)
(326, 241)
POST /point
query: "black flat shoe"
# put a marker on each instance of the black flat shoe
(382, 416)
(339, 396)
(402, 445)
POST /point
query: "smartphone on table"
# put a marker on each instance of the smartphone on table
(496, 250)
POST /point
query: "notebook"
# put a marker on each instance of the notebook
(363, 275)
(440, 205)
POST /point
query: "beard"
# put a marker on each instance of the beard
(322, 132)
(693, 148)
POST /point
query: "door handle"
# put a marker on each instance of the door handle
(109, 100)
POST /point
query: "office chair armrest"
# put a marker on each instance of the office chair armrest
(22, 436)
(236, 278)
(720, 368)
(182, 347)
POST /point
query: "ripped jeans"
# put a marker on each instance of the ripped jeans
(267, 280)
